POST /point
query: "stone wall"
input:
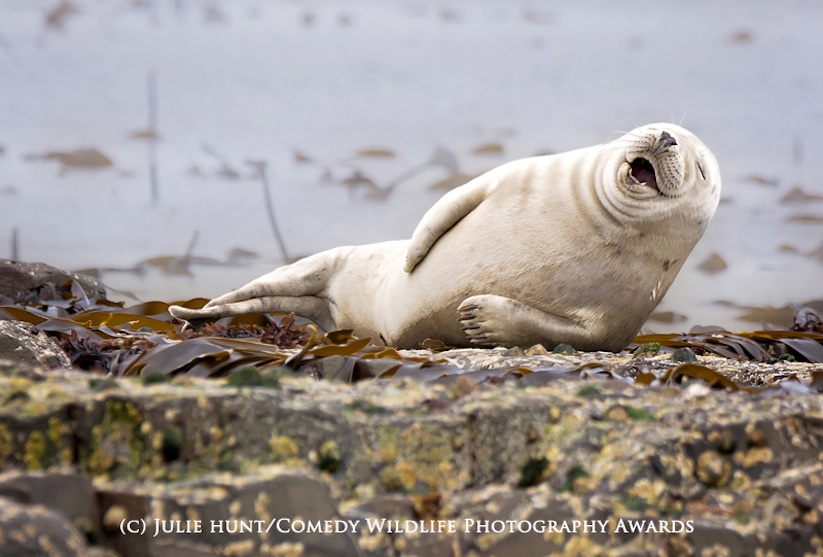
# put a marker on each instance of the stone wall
(86, 459)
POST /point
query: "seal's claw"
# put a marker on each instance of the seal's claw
(193, 319)
(194, 324)
(486, 324)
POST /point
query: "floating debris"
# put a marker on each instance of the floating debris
(452, 181)
(57, 16)
(798, 195)
(743, 36)
(376, 153)
(225, 170)
(667, 317)
(300, 157)
(489, 149)
(762, 180)
(77, 158)
(713, 264)
(805, 218)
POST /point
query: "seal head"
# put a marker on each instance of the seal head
(659, 171)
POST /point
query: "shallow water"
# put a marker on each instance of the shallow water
(268, 80)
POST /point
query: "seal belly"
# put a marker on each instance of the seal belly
(544, 258)
(482, 254)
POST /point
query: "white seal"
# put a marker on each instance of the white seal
(574, 248)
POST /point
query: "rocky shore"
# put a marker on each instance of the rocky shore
(274, 463)
(82, 455)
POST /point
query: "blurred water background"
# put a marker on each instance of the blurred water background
(135, 135)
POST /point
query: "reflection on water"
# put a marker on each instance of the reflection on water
(129, 128)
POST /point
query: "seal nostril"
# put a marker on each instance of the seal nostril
(667, 139)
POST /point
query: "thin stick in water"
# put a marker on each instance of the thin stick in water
(151, 85)
(260, 167)
(15, 245)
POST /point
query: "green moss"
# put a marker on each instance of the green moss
(573, 474)
(103, 384)
(6, 443)
(636, 504)
(250, 376)
(532, 472)
(423, 448)
(155, 377)
(34, 451)
(16, 396)
(639, 414)
(247, 376)
(589, 391)
(330, 458)
(55, 430)
(367, 407)
(648, 349)
(117, 443)
(390, 479)
(272, 376)
(742, 517)
(228, 462)
(172, 444)
(283, 448)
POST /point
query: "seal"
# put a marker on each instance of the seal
(576, 248)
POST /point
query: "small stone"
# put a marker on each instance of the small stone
(21, 342)
(24, 283)
(564, 349)
(684, 354)
(537, 350)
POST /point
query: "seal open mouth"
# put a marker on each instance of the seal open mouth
(643, 173)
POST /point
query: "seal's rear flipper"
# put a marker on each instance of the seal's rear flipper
(310, 307)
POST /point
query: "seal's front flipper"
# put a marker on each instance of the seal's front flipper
(443, 215)
(491, 320)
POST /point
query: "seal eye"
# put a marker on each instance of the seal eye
(700, 168)
(643, 172)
